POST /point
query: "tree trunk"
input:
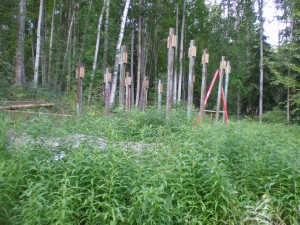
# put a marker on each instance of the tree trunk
(96, 52)
(86, 28)
(20, 71)
(106, 36)
(43, 49)
(181, 51)
(175, 60)
(132, 64)
(261, 61)
(38, 46)
(68, 52)
(138, 81)
(51, 41)
(115, 75)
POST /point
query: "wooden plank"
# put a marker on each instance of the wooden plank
(205, 57)
(220, 88)
(27, 106)
(190, 80)
(170, 73)
(39, 113)
(160, 90)
(21, 102)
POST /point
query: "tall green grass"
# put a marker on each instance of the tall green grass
(239, 173)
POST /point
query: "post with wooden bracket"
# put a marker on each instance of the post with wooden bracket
(107, 81)
(191, 80)
(123, 62)
(79, 76)
(145, 88)
(227, 72)
(171, 44)
(160, 90)
(205, 59)
(128, 83)
(222, 68)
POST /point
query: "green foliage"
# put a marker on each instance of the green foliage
(274, 116)
(240, 173)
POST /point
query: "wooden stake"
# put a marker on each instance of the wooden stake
(145, 93)
(80, 75)
(107, 91)
(170, 72)
(190, 81)
(159, 87)
(203, 83)
(227, 72)
(128, 92)
(220, 88)
(123, 60)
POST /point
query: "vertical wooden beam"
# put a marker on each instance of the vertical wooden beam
(170, 70)
(128, 83)
(160, 90)
(144, 95)
(80, 75)
(205, 58)
(222, 67)
(227, 72)
(123, 62)
(192, 54)
(107, 81)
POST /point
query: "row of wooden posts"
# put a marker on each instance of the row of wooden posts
(126, 92)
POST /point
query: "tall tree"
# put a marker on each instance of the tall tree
(116, 66)
(261, 57)
(38, 46)
(20, 71)
(96, 52)
(51, 42)
(105, 50)
(181, 51)
(138, 78)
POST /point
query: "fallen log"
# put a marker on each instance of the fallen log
(27, 106)
(5, 103)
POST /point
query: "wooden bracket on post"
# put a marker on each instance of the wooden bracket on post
(192, 51)
(108, 78)
(173, 41)
(79, 75)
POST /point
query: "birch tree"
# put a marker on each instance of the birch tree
(116, 66)
(96, 52)
(261, 58)
(51, 41)
(20, 71)
(138, 77)
(105, 50)
(181, 51)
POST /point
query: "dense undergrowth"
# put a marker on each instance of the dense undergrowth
(239, 173)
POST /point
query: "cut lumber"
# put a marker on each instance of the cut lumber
(21, 102)
(40, 113)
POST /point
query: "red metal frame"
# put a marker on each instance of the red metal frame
(217, 74)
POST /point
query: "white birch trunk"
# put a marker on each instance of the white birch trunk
(175, 60)
(96, 52)
(38, 46)
(181, 52)
(138, 78)
(261, 60)
(106, 36)
(116, 66)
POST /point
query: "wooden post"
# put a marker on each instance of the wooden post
(227, 72)
(170, 45)
(222, 67)
(80, 76)
(107, 80)
(192, 55)
(145, 93)
(123, 60)
(205, 59)
(160, 90)
(128, 83)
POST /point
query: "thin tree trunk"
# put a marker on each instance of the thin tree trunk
(175, 60)
(20, 71)
(96, 52)
(181, 51)
(238, 62)
(138, 81)
(43, 49)
(132, 64)
(106, 36)
(86, 28)
(38, 46)
(261, 61)
(115, 76)
(68, 52)
(51, 42)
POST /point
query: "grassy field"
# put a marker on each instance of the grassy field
(238, 173)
